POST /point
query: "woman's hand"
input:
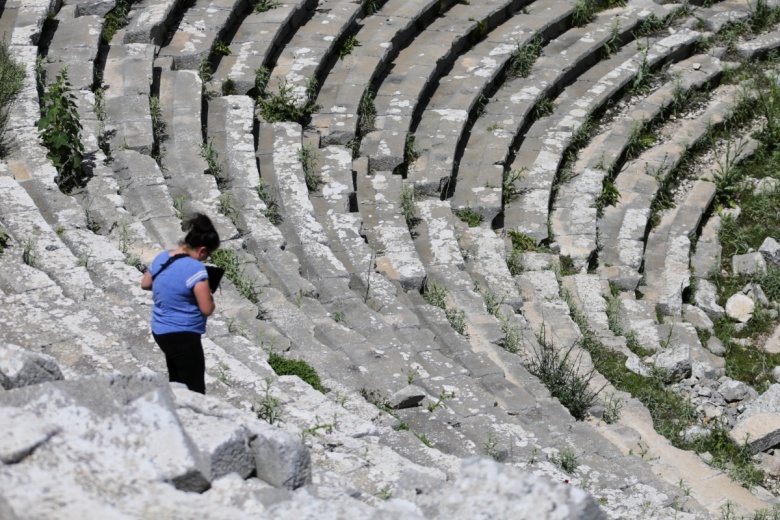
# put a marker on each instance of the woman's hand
(203, 296)
(146, 281)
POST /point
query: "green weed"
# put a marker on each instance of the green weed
(296, 367)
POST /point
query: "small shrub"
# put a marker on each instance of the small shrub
(61, 133)
(296, 367)
(566, 266)
(435, 294)
(282, 105)
(515, 262)
(211, 156)
(513, 338)
(307, 156)
(521, 242)
(205, 71)
(544, 107)
(613, 44)
(470, 217)
(3, 240)
(158, 128)
(584, 13)
(29, 253)
(229, 88)
(613, 407)
(609, 195)
(227, 206)
(558, 370)
(492, 302)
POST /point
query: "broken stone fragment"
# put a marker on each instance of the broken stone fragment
(407, 397)
(706, 298)
(770, 250)
(748, 264)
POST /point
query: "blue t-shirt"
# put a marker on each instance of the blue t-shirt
(175, 307)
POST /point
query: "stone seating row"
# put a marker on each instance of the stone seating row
(574, 208)
(542, 151)
(488, 145)
(405, 86)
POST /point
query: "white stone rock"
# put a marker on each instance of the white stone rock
(760, 432)
(770, 249)
(706, 298)
(20, 367)
(733, 391)
(748, 264)
(676, 361)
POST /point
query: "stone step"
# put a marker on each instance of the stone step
(204, 24)
(148, 21)
(574, 213)
(257, 40)
(760, 46)
(74, 45)
(312, 46)
(548, 138)
(379, 199)
(487, 149)
(381, 36)
(23, 21)
(718, 15)
(398, 97)
(128, 118)
(458, 93)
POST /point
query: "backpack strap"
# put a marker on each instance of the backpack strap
(167, 263)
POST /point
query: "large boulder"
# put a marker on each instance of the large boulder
(20, 367)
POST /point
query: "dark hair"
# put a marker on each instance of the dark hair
(200, 232)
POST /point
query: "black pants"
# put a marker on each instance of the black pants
(184, 355)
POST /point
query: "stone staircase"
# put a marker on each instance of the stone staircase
(335, 274)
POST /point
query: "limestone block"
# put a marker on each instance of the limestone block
(223, 445)
(770, 250)
(706, 299)
(676, 360)
(716, 346)
(760, 432)
(697, 317)
(755, 292)
(733, 391)
(740, 307)
(407, 397)
(748, 264)
(20, 367)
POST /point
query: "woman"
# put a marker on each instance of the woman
(183, 301)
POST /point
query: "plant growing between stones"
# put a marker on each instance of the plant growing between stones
(228, 260)
(283, 105)
(227, 206)
(158, 128)
(60, 131)
(515, 262)
(205, 71)
(296, 367)
(584, 13)
(3, 240)
(269, 408)
(566, 459)
(492, 302)
(338, 317)
(443, 396)
(262, 6)
(613, 406)
(559, 370)
(11, 79)
(524, 56)
(366, 112)
(469, 216)
(29, 253)
(115, 19)
(491, 449)
(544, 107)
(513, 338)
(307, 156)
(221, 48)
(269, 199)
(510, 189)
(435, 294)
(229, 88)
(457, 319)
(315, 429)
(178, 205)
(613, 44)
(609, 196)
(348, 44)
(211, 156)
(408, 198)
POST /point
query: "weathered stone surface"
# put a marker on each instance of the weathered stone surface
(740, 307)
(22, 433)
(407, 397)
(487, 489)
(768, 402)
(20, 367)
(756, 293)
(697, 317)
(748, 264)
(706, 299)
(716, 346)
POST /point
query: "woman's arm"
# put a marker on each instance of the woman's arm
(146, 281)
(204, 298)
